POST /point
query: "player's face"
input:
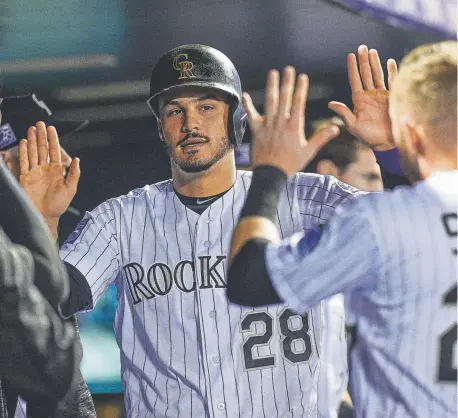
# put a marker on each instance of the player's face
(407, 155)
(364, 172)
(194, 127)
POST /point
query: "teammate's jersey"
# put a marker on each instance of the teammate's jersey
(396, 255)
(185, 350)
(333, 381)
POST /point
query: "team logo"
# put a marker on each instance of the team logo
(7, 136)
(184, 66)
(77, 232)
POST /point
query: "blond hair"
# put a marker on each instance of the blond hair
(426, 85)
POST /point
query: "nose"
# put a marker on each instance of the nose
(191, 121)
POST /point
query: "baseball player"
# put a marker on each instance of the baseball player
(185, 351)
(394, 253)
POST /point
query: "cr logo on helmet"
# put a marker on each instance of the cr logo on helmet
(184, 66)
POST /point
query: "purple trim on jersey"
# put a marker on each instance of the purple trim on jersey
(389, 160)
(309, 240)
(77, 232)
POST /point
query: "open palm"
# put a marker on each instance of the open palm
(42, 176)
(369, 120)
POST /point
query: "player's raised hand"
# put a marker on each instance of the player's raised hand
(369, 121)
(41, 173)
(278, 137)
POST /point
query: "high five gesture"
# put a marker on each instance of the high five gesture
(369, 121)
(279, 135)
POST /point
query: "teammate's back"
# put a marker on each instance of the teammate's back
(407, 331)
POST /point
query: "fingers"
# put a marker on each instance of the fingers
(32, 147)
(344, 113)
(353, 74)
(252, 113)
(392, 72)
(74, 173)
(271, 96)
(377, 70)
(23, 157)
(42, 143)
(54, 147)
(318, 141)
(365, 68)
(286, 91)
(299, 102)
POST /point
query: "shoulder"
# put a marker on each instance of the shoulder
(323, 189)
(140, 195)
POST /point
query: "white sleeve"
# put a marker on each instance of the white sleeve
(313, 265)
(333, 378)
(92, 248)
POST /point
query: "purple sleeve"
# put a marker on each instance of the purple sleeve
(389, 160)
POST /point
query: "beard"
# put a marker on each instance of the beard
(195, 164)
(409, 163)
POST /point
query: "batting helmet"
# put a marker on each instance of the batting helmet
(200, 66)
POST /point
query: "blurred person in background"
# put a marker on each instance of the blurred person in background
(37, 351)
(19, 113)
(346, 158)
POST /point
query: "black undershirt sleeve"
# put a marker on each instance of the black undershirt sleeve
(80, 296)
(248, 281)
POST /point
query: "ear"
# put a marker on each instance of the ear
(327, 168)
(161, 132)
(414, 136)
(4, 155)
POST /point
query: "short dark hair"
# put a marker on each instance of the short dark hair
(342, 150)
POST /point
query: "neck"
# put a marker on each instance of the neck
(215, 180)
(439, 163)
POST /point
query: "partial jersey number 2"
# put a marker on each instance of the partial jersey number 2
(294, 332)
(447, 371)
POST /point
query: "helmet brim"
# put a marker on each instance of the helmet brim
(153, 101)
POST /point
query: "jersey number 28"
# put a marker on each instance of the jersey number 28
(295, 338)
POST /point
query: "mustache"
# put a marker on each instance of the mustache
(192, 135)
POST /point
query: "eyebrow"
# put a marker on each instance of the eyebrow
(198, 99)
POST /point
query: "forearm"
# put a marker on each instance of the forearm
(80, 295)
(53, 225)
(248, 281)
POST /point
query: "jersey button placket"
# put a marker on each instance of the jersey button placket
(208, 245)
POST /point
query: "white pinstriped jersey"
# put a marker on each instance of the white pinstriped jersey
(333, 380)
(185, 350)
(396, 255)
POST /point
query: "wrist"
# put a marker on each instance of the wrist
(53, 225)
(264, 193)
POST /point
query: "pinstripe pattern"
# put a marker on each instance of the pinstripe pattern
(183, 349)
(401, 277)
